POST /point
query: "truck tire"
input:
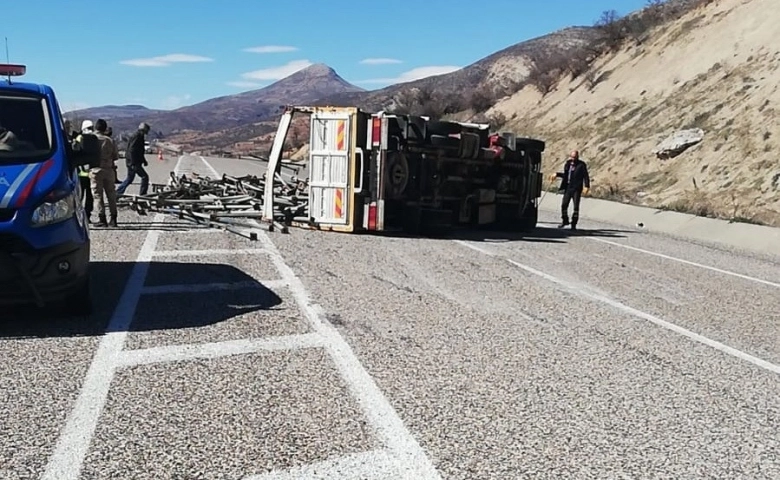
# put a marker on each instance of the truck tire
(530, 144)
(397, 174)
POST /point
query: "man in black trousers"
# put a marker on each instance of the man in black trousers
(136, 160)
(575, 183)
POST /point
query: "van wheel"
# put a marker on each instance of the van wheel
(79, 303)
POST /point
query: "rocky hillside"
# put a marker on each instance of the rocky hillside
(496, 75)
(717, 69)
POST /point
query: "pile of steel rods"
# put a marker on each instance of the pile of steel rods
(229, 203)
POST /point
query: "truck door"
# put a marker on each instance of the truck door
(330, 160)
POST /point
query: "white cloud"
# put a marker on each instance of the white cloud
(380, 61)
(271, 49)
(241, 84)
(277, 73)
(175, 101)
(166, 60)
(414, 74)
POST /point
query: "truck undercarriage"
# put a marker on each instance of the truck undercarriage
(444, 174)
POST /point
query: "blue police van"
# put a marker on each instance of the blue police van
(44, 232)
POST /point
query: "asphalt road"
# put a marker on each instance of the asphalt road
(611, 353)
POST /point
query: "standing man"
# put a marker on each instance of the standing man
(575, 183)
(86, 188)
(136, 160)
(110, 133)
(102, 176)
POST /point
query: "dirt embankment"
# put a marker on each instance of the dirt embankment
(718, 69)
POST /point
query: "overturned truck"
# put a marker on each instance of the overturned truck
(385, 172)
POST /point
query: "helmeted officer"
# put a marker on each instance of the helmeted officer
(86, 188)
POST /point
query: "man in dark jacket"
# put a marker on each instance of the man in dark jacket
(135, 160)
(575, 183)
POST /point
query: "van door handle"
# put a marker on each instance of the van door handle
(359, 152)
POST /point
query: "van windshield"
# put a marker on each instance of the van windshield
(25, 128)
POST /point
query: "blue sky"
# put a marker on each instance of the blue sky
(170, 53)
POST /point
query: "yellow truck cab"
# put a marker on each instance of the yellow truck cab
(372, 172)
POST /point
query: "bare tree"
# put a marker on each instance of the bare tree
(546, 70)
(578, 63)
(613, 26)
(425, 101)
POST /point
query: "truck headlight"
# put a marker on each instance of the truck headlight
(55, 211)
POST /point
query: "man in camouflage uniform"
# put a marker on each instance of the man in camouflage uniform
(102, 176)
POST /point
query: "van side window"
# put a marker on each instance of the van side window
(25, 130)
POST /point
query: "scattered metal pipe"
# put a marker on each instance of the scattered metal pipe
(227, 202)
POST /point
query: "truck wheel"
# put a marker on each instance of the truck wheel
(79, 303)
(397, 174)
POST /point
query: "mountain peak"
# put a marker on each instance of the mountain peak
(319, 78)
(319, 70)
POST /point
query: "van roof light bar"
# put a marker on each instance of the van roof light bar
(11, 70)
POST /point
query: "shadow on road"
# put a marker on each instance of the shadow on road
(541, 234)
(155, 310)
(147, 226)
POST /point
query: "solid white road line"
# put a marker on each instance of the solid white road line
(177, 353)
(388, 425)
(210, 287)
(215, 251)
(406, 458)
(374, 465)
(581, 290)
(74, 440)
(687, 262)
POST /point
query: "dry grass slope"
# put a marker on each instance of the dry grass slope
(717, 67)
